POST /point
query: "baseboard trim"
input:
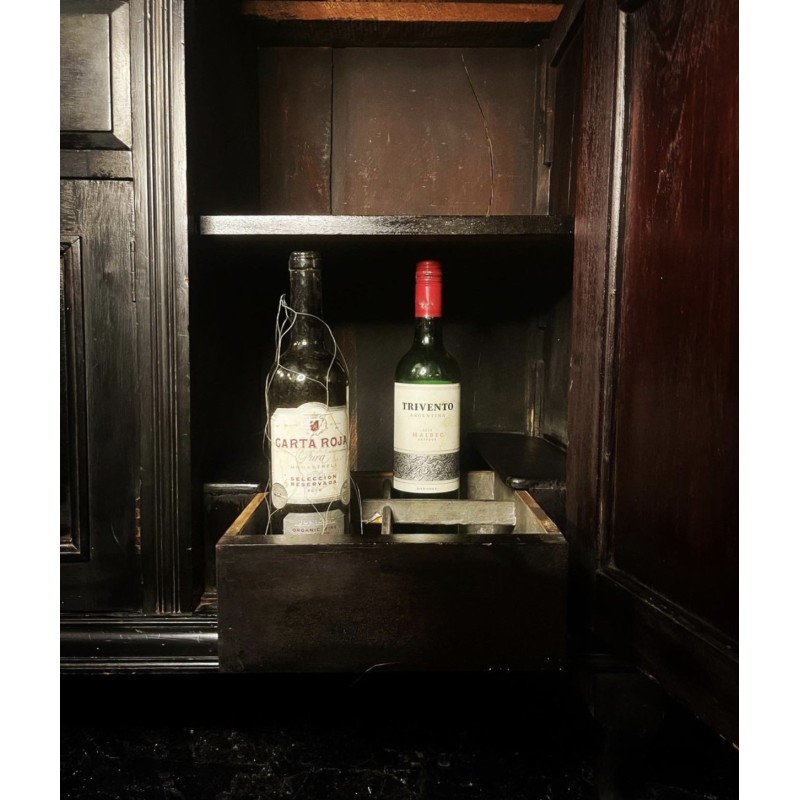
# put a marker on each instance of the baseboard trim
(129, 644)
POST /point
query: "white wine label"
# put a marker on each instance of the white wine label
(316, 522)
(427, 437)
(309, 454)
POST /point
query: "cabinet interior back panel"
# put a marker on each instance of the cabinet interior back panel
(433, 131)
(295, 129)
(397, 130)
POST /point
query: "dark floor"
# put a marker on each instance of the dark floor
(382, 737)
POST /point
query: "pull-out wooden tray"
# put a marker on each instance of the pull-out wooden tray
(492, 596)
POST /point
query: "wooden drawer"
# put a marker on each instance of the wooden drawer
(412, 601)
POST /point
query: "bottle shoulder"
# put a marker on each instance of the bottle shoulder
(310, 361)
(298, 378)
(424, 364)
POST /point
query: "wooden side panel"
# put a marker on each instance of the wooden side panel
(100, 215)
(566, 118)
(449, 131)
(295, 128)
(588, 331)
(675, 514)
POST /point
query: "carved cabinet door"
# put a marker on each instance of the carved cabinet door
(653, 459)
(100, 428)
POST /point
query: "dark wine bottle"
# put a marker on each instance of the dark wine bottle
(427, 401)
(308, 419)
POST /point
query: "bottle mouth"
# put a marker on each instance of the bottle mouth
(429, 271)
(305, 259)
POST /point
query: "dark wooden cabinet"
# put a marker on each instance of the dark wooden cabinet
(574, 167)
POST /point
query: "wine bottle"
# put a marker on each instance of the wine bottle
(427, 401)
(307, 398)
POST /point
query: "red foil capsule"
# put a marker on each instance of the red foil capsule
(428, 296)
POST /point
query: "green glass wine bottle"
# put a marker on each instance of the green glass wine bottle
(427, 401)
(307, 399)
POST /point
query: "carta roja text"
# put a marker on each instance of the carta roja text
(311, 444)
(429, 406)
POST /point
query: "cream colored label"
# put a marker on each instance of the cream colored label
(426, 437)
(309, 454)
(317, 522)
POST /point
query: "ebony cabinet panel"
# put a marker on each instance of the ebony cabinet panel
(100, 396)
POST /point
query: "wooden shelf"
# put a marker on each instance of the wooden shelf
(544, 228)
(391, 11)
(522, 462)
(344, 23)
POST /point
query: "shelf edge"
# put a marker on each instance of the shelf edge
(405, 12)
(277, 225)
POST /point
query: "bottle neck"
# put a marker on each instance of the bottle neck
(305, 298)
(428, 332)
